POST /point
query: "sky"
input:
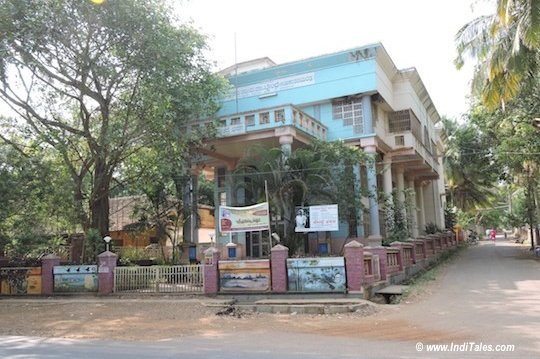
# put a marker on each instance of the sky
(415, 33)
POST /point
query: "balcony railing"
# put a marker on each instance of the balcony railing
(308, 124)
(406, 121)
(271, 118)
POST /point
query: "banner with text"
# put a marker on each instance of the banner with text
(317, 218)
(244, 219)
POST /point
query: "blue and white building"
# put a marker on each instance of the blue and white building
(356, 95)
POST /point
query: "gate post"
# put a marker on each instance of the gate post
(211, 271)
(278, 268)
(47, 276)
(354, 266)
(106, 267)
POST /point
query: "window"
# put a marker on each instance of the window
(222, 123)
(279, 116)
(350, 112)
(264, 118)
(235, 121)
(257, 244)
(221, 177)
(250, 120)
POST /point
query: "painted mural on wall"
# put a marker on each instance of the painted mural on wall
(316, 274)
(244, 276)
(20, 280)
(81, 278)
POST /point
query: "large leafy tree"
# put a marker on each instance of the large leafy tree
(95, 82)
(506, 47)
(33, 208)
(516, 144)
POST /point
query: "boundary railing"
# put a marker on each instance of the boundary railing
(159, 279)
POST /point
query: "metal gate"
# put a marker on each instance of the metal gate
(159, 279)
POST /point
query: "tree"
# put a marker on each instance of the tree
(469, 166)
(319, 173)
(34, 216)
(396, 223)
(96, 82)
(505, 46)
(515, 144)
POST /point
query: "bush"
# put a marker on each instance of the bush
(133, 256)
(432, 228)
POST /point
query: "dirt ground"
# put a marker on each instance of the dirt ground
(488, 291)
(147, 318)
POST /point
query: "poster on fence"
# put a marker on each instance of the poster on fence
(317, 218)
(244, 219)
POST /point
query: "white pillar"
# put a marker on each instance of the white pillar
(420, 199)
(400, 183)
(375, 228)
(387, 176)
(413, 214)
(286, 145)
(358, 194)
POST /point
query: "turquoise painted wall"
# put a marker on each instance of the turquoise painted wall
(347, 79)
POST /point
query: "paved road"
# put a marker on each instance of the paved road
(489, 295)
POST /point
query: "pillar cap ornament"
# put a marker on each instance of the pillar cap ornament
(278, 248)
(354, 244)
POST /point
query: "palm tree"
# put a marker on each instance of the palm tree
(469, 170)
(506, 47)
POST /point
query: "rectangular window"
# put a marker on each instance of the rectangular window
(279, 116)
(264, 118)
(235, 121)
(350, 112)
(221, 177)
(250, 120)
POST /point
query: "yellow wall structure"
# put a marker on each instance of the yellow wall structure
(31, 284)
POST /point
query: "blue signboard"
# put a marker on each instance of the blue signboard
(81, 278)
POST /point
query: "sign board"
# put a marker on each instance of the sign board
(245, 276)
(231, 130)
(268, 87)
(317, 218)
(75, 278)
(316, 274)
(244, 219)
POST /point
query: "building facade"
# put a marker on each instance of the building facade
(357, 96)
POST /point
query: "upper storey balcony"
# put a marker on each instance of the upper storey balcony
(411, 142)
(271, 119)
(270, 127)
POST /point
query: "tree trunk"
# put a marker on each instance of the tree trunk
(535, 207)
(99, 212)
(99, 200)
